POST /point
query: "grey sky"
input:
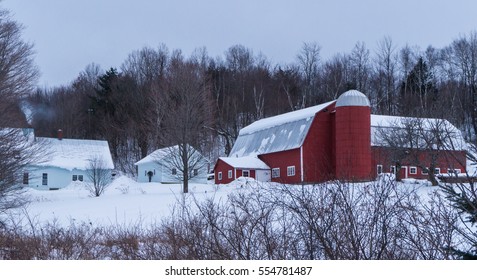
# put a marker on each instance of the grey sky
(69, 34)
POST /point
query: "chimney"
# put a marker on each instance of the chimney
(60, 134)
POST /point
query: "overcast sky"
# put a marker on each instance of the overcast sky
(70, 34)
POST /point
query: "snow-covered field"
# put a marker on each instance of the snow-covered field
(125, 202)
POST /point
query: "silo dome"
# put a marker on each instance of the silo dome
(352, 98)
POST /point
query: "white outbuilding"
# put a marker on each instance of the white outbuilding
(65, 161)
(165, 166)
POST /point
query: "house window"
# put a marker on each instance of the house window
(437, 171)
(229, 173)
(246, 173)
(174, 171)
(276, 172)
(80, 178)
(393, 169)
(379, 169)
(75, 177)
(424, 171)
(196, 172)
(25, 178)
(291, 171)
(413, 170)
(220, 176)
(44, 179)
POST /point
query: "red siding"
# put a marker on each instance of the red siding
(282, 160)
(353, 143)
(444, 160)
(318, 148)
(223, 167)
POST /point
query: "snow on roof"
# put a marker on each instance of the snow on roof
(75, 153)
(451, 135)
(283, 132)
(160, 154)
(352, 98)
(157, 155)
(251, 162)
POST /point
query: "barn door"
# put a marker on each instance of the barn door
(403, 173)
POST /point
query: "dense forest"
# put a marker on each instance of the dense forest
(139, 105)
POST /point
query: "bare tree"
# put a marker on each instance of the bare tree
(18, 71)
(422, 143)
(185, 165)
(385, 77)
(361, 69)
(190, 113)
(18, 150)
(308, 60)
(99, 176)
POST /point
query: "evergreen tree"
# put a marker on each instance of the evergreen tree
(418, 91)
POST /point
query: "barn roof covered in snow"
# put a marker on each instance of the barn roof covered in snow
(283, 132)
(74, 153)
(245, 162)
(419, 133)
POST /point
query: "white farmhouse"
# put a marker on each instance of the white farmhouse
(164, 166)
(66, 161)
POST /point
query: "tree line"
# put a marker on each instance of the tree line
(157, 93)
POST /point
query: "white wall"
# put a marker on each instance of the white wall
(163, 174)
(263, 175)
(57, 177)
(143, 168)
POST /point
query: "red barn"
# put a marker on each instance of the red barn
(341, 140)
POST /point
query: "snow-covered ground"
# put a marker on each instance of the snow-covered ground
(125, 202)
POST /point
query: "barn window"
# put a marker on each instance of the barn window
(229, 174)
(453, 171)
(44, 179)
(413, 170)
(174, 171)
(275, 172)
(424, 171)
(80, 178)
(25, 178)
(220, 176)
(291, 171)
(246, 173)
(437, 171)
(75, 177)
(379, 169)
(393, 169)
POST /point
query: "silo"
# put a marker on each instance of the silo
(353, 137)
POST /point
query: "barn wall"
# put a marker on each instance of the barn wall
(223, 167)
(283, 160)
(318, 148)
(386, 157)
